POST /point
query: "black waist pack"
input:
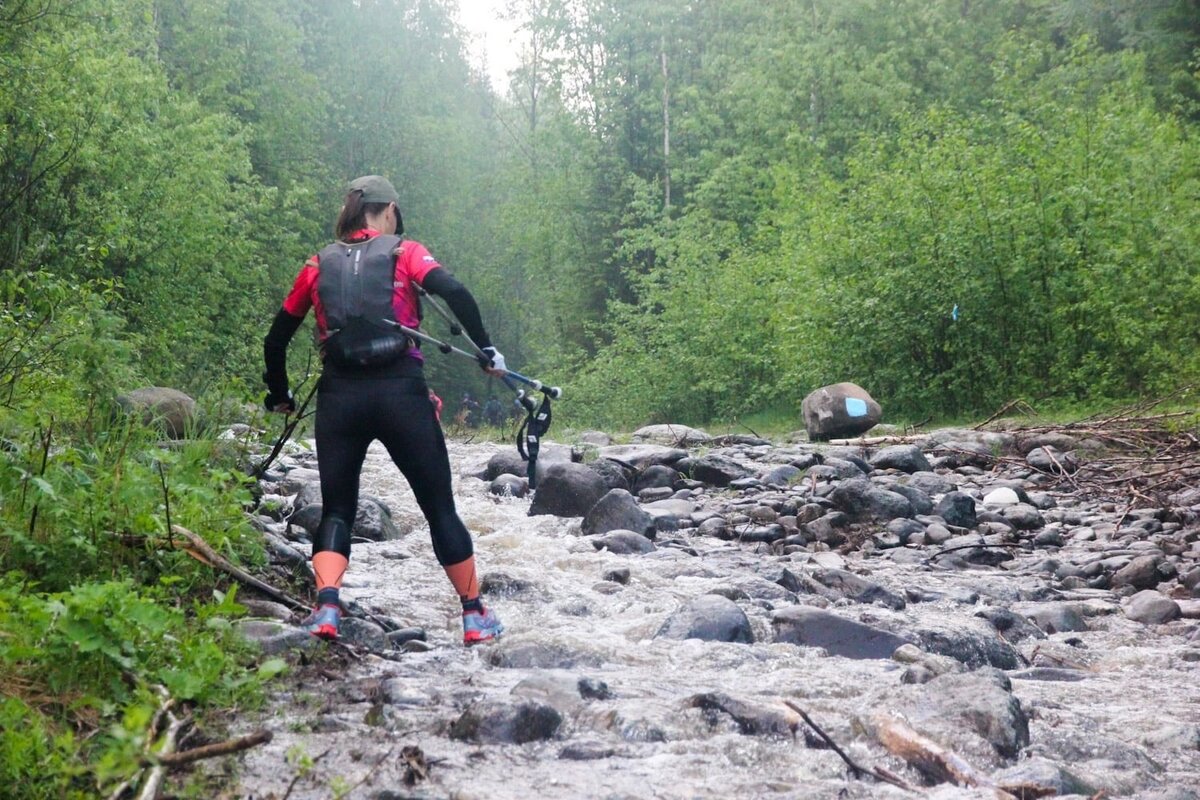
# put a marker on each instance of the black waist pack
(362, 343)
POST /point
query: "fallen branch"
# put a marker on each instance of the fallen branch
(154, 780)
(203, 552)
(876, 772)
(929, 757)
(214, 750)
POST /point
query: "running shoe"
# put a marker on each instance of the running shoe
(324, 621)
(480, 627)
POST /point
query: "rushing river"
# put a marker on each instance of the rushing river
(641, 738)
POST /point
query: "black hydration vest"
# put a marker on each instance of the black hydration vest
(355, 288)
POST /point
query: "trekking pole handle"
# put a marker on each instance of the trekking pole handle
(553, 392)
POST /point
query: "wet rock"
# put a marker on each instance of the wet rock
(502, 584)
(592, 689)
(858, 589)
(930, 483)
(957, 509)
(266, 608)
(837, 635)
(494, 722)
(1056, 617)
(829, 529)
(1023, 517)
(587, 751)
(860, 499)
(617, 510)
(670, 514)
(956, 454)
(782, 475)
(656, 476)
(1052, 460)
(903, 457)
(401, 635)
(673, 435)
(623, 543)
(273, 638)
(1140, 573)
(955, 705)
(1151, 608)
(614, 475)
(619, 575)
(363, 633)
(718, 470)
(566, 489)
(509, 486)
(710, 618)
(505, 462)
(753, 719)
(974, 646)
(525, 654)
(1046, 774)
(921, 502)
(641, 456)
(840, 410)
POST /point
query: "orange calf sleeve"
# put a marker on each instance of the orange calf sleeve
(329, 568)
(463, 576)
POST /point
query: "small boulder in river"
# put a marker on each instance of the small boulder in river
(839, 410)
(617, 510)
(903, 457)
(493, 722)
(566, 489)
(837, 635)
(711, 618)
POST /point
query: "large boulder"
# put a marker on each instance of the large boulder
(171, 409)
(839, 410)
(566, 489)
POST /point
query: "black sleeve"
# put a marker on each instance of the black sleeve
(283, 328)
(440, 282)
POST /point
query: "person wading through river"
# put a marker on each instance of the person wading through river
(372, 387)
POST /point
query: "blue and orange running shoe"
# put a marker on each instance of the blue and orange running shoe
(324, 621)
(480, 627)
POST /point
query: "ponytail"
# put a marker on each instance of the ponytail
(353, 216)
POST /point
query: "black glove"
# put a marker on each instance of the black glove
(284, 403)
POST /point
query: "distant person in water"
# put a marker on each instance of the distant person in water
(373, 387)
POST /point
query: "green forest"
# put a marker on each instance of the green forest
(679, 210)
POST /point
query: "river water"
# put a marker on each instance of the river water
(642, 738)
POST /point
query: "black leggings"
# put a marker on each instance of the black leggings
(353, 412)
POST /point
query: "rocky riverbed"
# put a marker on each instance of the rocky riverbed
(949, 609)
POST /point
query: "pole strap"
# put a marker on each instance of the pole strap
(529, 436)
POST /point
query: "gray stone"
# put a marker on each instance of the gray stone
(711, 618)
(957, 509)
(903, 457)
(718, 470)
(509, 486)
(272, 637)
(672, 435)
(861, 499)
(839, 410)
(494, 722)
(640, 456)
(566, 489)
(363, 633)
(1046, 774)
(1140, 573)
(623, 543)
(506, 462)
(1151, 608)
(837, 635)
(1023, 517)
(1057, 617)
(857, 588)
(617, 510)
(170, 409)
(921, 502)
(752, 719)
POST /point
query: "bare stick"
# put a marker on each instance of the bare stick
(883, 775)
(201, 551)
(215, 750)
(154, 780)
